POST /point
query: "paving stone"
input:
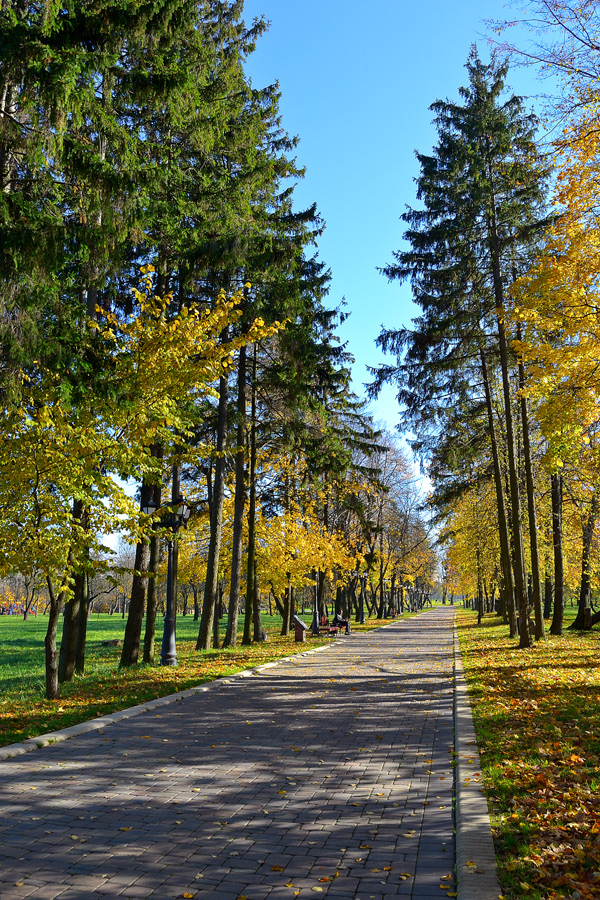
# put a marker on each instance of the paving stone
(162, 797)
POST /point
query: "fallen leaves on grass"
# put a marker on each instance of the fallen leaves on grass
(537, 718)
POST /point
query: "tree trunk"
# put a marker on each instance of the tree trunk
(287, 602)
(354, 601)
(557, 619)
(256, 614)
(68, 643)
(292, 612)
(515, 495)
(531, 508)
(548, 595)
(583, 619)
(216, 525)
(371, 603)
(279, 606)
(217, 618)
(505, 560)
(338, 600)
(238, 508)
(168, 651)
(56, 607)
(152, 599)
(513, 473)
(359, 600)
(381, 606)
(248, 608)
(321, 594)
(251, 570)
(139, 587)
(8, 156)
(479, 588)
(82, 620)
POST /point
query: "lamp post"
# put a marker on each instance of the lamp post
(172, 519)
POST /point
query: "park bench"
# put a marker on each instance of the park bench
(326, 628)
(333, 628)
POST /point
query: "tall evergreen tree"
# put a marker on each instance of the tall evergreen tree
(482, 191)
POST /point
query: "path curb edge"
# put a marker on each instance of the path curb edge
(476, 866)
(55, 737)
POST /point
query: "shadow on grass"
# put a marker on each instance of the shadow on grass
(103, 688)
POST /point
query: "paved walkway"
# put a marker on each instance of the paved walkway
(326, 774)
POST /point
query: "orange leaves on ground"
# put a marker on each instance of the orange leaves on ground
(538, 724)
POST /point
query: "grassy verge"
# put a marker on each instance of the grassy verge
(537, 718)
(104, 689)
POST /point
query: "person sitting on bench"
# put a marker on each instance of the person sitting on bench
(341, 623)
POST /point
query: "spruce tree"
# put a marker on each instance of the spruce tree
(482, 191)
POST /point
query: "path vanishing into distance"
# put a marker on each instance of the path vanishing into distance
(327, 773)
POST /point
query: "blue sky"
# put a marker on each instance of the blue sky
(357, 80)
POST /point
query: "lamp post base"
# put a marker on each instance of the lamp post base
(168, 651)
(315, 624)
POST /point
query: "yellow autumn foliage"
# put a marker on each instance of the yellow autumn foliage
(157, 367)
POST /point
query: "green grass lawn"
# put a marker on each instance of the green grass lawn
(103, 688)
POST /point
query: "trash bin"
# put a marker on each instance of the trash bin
(300, 629)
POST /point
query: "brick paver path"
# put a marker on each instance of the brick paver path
(326, 774)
